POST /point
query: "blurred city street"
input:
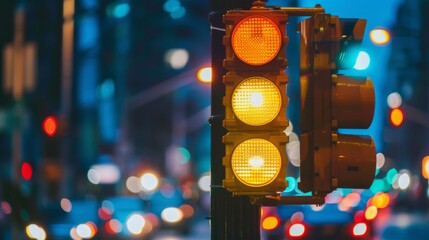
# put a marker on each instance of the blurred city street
(195, 120)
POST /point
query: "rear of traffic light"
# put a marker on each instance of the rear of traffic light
(53, 128)
(330, 101)
(255, 101)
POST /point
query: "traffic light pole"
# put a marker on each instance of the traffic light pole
(231, 217)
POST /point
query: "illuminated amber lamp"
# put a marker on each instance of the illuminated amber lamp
(256, 40)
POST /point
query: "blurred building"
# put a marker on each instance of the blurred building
(407, 144)
(118, 78)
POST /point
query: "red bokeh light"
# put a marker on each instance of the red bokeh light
(26, 171)
(50, 126)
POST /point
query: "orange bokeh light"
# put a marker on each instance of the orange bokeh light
(50, 126)
(396, 117)
(270, 223)
(425, 167)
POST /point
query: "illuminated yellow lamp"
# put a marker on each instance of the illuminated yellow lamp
(205, 75)
(256, 40)
(256, 162)
(256, 101)
(379, 36)
(270, 223)
(425, 167)
(371, 212)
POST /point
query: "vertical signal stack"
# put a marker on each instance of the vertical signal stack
(330, 101)
(255, 101)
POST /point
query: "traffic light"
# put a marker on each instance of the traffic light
(51, 143)
(329, 101)
(255, 101)
(53, 129)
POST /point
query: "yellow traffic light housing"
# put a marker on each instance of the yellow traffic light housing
(330, 101)
(255, 101)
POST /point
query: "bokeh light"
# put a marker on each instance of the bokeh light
(371, 213)
(379, 36)
(425, 167)
(391, 176)
(6, 208)
(360, 229)
(50, 125)
(378, 185)
(26, 171)
(35, 232)
(293, 152)
(394, 100)
(296, 230)
(113, 226)
(174, 8)
(66, 205)
(83, 231)
(297, 217)
(93, 176)
(381, 200)
(205, 75)
(177, 58)
(133, 184)
(104, 174)
(135, 223)
(404, 180)
(204, 183)
(270, 223)
(121, 10)
(149, 182)
(172, 215)
(380, 160)
(396, 117)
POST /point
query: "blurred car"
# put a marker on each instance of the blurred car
(313, 223)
